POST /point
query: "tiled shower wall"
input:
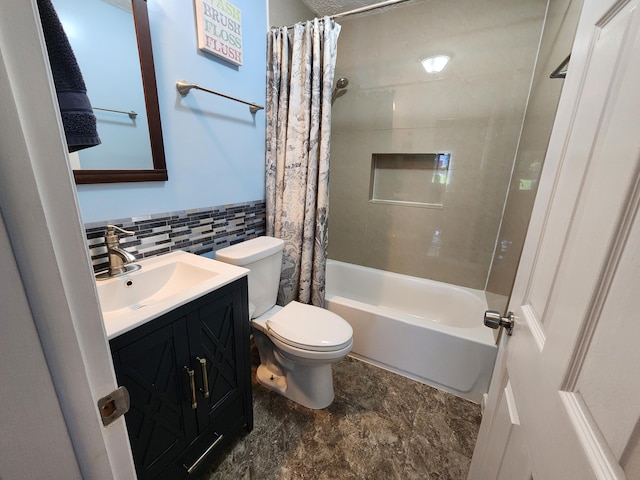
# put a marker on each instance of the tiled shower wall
(473, 109)
(197, 231)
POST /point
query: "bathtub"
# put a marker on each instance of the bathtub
(429, 331)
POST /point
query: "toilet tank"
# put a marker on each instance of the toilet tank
(263, 257)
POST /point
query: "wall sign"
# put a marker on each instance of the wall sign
(219, 25)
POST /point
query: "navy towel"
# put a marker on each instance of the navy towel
(77, 115)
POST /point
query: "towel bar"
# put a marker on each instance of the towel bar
(184, 88)
(132, 114)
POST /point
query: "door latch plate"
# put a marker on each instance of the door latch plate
(114, 405)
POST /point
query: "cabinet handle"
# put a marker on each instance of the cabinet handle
(203, 456)
(192, 381)
(205, 377)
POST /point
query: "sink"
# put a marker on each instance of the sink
(162, 284)
(137, 290)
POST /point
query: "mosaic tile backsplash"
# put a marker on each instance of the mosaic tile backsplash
(197, 231)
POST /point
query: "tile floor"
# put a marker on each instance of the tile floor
(380, 426)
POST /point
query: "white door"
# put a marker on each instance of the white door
(564, 402)
(55, 356)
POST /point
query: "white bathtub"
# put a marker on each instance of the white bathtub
(429, 331)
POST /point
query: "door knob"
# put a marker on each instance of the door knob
(493, 319)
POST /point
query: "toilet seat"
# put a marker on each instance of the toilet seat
(311, 328)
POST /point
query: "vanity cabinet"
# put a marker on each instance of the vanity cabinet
(188, 375)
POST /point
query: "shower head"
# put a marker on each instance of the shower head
(342, 83)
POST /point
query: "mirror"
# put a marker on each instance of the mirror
(105, 36)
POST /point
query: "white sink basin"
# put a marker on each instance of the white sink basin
(162, 284)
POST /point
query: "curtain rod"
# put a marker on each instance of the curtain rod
(375, 6)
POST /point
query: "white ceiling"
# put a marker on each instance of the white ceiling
(332, 7)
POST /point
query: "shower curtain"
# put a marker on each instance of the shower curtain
(300, 69)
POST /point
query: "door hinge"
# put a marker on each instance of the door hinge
(114, 405)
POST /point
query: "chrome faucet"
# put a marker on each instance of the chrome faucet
(120, 261)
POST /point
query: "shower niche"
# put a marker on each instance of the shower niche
(410, 179)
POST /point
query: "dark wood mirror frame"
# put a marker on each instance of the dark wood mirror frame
(159, 171)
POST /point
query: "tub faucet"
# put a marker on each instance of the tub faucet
(119, 259)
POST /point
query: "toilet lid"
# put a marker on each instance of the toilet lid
(310, 328)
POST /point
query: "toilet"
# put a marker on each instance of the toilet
(297, 343)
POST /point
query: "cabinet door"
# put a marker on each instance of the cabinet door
(219, 348)
(160, 422)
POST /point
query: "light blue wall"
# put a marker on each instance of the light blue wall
(214, 147)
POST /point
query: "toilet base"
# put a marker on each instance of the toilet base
(309, 386)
